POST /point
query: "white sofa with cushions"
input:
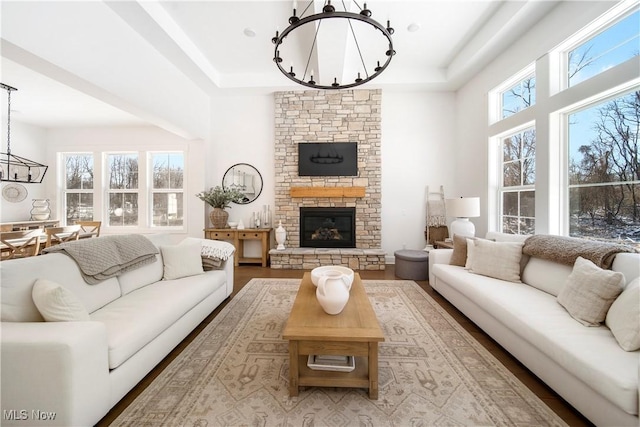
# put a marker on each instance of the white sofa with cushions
(538, 316)
(71, 373)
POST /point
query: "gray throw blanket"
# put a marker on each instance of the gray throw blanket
(566, 250)
(108, 256)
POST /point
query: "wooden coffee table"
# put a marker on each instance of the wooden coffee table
(353, 332)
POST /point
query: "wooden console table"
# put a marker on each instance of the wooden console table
(238, 237)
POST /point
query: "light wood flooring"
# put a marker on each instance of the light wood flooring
(244, 274)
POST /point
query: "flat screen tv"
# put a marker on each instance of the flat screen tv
(328, 159)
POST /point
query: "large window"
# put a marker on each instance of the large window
(612, 46)
(519, 96)
(122, 189)
(167, 188)
(518, 180)
(78, 187)
(604, 169)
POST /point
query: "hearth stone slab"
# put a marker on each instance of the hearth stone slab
(309, 258)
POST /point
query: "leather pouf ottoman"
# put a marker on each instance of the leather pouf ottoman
(412, 264)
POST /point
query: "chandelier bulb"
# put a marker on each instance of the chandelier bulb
(293, 18)
(335, 82)
(390, 52)
(378, 68)
(312, 82)
(274, 40)
(390, 29)
(365, 12)
(328, 8)
(277, 58)
(358, 80)
(291, 73)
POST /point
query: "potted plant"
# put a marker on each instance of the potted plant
(219, 199)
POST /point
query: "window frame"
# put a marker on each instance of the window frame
(65, 191)
(152, 190)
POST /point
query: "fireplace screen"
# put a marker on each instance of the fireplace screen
(327, 227)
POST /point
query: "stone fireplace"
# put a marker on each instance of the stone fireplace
(329, 117)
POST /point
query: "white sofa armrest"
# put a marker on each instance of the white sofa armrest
(55, 370)
(438, 256)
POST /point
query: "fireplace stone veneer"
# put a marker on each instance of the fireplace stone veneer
(329, 116)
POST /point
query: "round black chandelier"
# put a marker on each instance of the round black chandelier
(365, 74)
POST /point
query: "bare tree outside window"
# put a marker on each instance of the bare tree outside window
(520, 96)
(604, 170)
(167, 191)
(518, 180)
(123, 189)
(78, 190)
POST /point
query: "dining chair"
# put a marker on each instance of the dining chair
(20, 244)
(57, 235)
(89, 228)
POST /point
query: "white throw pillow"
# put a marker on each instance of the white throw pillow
(500, 260)
(623, 318)
(589, 292)
(181, 260)
(470, 248)
(57, 303)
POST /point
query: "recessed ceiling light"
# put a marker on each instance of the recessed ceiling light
(249, 32)
(413, 27)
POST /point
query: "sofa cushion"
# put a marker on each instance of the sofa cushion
(485, 254)
(459, 255)
(623, 318)
(57, 304)
(181, 260)
(135, 319)
(19, 275)
(536, 317)
(548, 276)
(147, 274)
(589, 292)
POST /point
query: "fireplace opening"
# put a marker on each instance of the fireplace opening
(327, 227)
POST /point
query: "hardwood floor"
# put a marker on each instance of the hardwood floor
(244, 274)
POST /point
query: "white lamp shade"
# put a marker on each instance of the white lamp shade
(464, 207)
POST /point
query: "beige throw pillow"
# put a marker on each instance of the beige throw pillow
(181, 260)
(500, 260)
(589, 291)
(459, 255)
(623, 318)
(57, 303)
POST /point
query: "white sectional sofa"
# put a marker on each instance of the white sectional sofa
(584, 365)
(71, 373)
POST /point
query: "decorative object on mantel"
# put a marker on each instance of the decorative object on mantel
(14, 193)
(15, 168)
(463, 208)
(325, 24)
(40, 210)
(219, 199)
(281, 236)
(241, 225)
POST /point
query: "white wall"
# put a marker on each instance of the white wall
(26, 141)
(417, 150)
(132, 139)
(242, 132)
(472, 123)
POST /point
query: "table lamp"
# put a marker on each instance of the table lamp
(463, 208)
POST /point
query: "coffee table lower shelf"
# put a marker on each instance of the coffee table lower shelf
(358, 378)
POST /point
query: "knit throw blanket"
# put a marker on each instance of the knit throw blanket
(108, 256)
(566, 250)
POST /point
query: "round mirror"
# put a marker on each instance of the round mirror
(244, 178)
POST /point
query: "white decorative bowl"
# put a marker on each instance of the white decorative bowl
(321, 271)
(233, 224)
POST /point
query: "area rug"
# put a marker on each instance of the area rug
(431, 371)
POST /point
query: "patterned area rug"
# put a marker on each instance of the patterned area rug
(432, 372)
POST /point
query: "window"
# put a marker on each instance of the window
(519, 96)
(610, 47)
(604, 170)
(122, 190)
(518, 179)
(167, 188)
(78, 187)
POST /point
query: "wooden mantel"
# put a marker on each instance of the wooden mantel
(327, 191)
